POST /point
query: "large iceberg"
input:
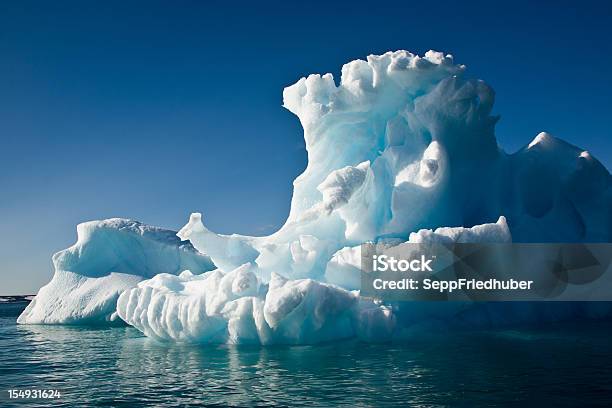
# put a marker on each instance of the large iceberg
(401, 150)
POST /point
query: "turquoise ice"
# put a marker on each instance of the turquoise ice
(401, 149)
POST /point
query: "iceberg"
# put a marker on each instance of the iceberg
(109, 257)
(402, 149)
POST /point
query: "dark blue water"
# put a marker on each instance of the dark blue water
(556, 366)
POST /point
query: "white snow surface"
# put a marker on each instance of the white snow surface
(402, 149)
(344, 268)
(235, 307)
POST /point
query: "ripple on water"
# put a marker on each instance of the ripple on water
(118, 366)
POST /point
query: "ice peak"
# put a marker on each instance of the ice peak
(194, 224)
(541, 138)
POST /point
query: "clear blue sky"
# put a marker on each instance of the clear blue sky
(152, 110)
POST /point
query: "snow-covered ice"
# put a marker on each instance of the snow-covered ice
(108, 257)
(236, 307)
(402, 149)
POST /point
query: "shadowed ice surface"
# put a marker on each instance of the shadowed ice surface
(119, 367)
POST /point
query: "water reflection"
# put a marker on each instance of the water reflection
(118, 366)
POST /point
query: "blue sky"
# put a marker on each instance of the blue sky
(152, 110)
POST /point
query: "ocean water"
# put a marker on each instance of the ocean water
(553, 366)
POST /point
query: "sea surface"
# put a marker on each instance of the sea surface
(91, 367)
